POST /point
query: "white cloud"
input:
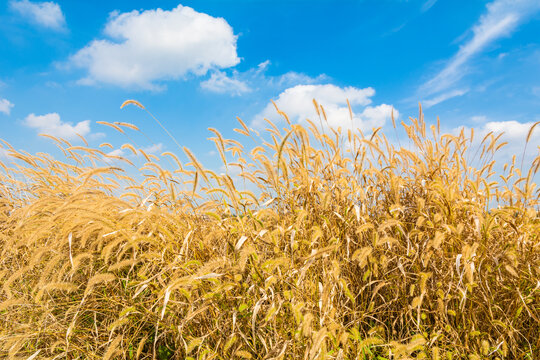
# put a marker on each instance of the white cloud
(443, 97)
(293, 78)
(5, 106)
(153, 45)
(46, 14)
(297, 103)
(3, 153)
(220, 83)
(479, 119)
(117, 152)
(255, 79)
(52, 125)
(153, 149)
(514, 134)
(513, 130)
(97, 136)
(501, 19)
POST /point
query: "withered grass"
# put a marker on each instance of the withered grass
(315, 244)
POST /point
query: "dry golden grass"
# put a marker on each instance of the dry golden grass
(349, 248)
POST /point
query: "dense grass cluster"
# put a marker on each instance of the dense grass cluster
(314, 244)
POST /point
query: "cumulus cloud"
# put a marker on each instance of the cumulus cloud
(145, 47)
(501, 19)
(297, 103)
(45, 14)
(513, 130)
(514, 133)
(52, 125)
(5, 106)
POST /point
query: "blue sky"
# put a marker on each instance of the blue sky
(196, 64)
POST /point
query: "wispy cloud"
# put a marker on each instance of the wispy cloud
(444, 96)
(220, 83)
(153, 149)
(428, 5)
(4, 154)
(45, 14)
(5, 106)
(255, 79)
(501, 19)
(479, 119)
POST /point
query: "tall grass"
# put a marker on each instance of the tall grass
(346, 247)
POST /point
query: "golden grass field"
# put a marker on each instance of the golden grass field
(314, 244)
